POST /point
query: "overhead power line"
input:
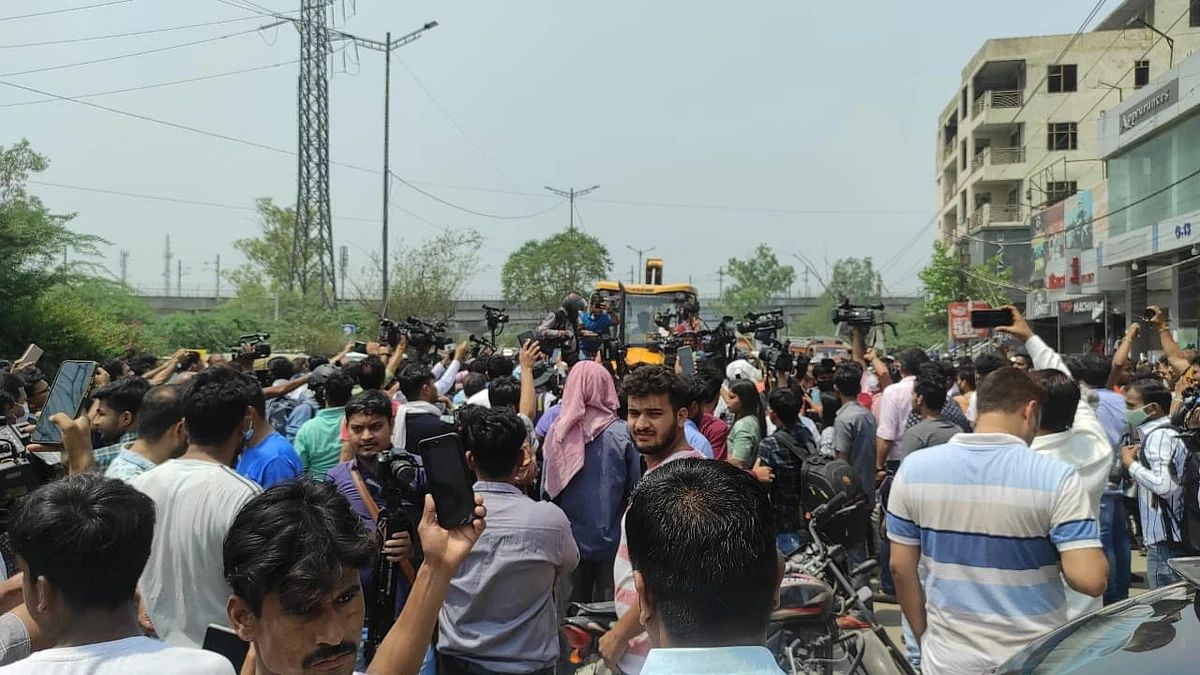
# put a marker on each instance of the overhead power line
(170, 200)
(64, 66)
(471, 211)
(65, 10)
(172, 83)
(753, 209)
(114, 36)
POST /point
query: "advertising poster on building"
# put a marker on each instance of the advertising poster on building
(1077, 216)
(1037, 244)
(1055, 247)
(1099, 213)
(960, 321)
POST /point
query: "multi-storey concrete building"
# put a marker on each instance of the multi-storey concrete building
(1020, 132)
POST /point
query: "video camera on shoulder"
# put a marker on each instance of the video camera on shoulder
(862, 317)
(259, 344)
(769, 321)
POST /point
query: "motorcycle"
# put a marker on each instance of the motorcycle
(582, 629)
(804, 634)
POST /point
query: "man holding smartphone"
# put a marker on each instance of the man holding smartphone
(499, 615)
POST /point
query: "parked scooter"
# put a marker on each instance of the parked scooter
(804, 635)
(586, 622)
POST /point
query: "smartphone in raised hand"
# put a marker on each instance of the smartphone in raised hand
(992, 318)
(449, 479)
(71, 385)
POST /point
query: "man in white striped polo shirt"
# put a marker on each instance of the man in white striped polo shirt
(988, 522)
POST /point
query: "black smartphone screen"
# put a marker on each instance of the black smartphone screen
(449, 479)
(66, 394)
(991, 318)
(687, 360)
(223, 641)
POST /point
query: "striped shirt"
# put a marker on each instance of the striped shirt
(989, 516)
(1160, 449)
(626, 594)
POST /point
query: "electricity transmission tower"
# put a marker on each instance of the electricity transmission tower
(314, 224)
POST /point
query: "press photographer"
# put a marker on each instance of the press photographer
(385, 488)
(560, 329)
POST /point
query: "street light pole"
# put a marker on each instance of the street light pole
(386, 46)
(640, 252)
(570, 196)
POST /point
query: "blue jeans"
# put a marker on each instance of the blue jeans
(1114, 537)
(1158, 574)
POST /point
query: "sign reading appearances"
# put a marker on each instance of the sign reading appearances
(1150, 106)
(960, 321)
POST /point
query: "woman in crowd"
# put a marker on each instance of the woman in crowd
(749, 424)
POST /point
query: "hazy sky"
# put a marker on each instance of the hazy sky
(819, 115)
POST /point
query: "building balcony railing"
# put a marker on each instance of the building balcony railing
(997, 99)
(996, 156)
(991, 214)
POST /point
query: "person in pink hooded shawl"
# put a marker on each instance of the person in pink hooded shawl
(589, 469)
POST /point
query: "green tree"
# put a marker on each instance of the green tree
(541, 273)
(64, 309)
(269, 255)
(755, 279)
(945, 280)
(425, 279)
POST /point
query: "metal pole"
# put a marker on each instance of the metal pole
(387, 95)
(179, 277)
(571, 209)
(218, 294)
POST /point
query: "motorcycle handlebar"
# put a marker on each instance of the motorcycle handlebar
(831, 505)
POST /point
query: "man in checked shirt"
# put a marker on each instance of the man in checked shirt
(1155, 465)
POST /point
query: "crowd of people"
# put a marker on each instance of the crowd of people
(203, 496)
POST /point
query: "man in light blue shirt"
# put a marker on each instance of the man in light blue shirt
(712, 617)
(691, 428)
(160, 434)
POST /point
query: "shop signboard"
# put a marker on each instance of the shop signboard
(1081, 311)
(1038, 307)
(1127, 247)
(960, 321)
(1178, 232)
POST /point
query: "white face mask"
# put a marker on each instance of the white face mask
(873, 383)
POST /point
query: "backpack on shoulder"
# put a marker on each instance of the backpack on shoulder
(1184, 531)
(278, 411)
(821, 479)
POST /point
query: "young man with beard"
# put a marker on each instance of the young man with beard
(196, 498)
(114, 417)
(658, 410)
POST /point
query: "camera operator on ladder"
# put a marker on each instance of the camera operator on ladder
(561, 328)
(600, 317)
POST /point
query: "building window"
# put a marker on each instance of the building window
(1062, 136)
(1062, 78)
(1141, 72)
(1194, 17)
(1056, 191)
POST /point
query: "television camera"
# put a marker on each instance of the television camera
(253, 346)
(425, 337)
(860, 317)
(496, 319)
(765, 326)
(21, 470)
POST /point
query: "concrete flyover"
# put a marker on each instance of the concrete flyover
(468, 312)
